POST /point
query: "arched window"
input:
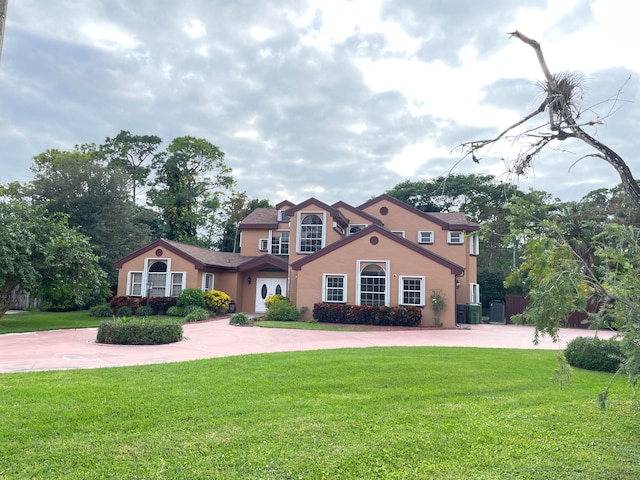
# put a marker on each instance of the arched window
(310, 234)
(373, 286)
(156, 279)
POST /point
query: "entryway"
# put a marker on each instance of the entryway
(265, 287)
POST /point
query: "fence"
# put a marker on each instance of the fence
(516, 304)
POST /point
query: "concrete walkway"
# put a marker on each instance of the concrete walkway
(75, 349)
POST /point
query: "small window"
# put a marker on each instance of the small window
(282, 217)
(455, 238)
(425, 237)
(135, 284)
(399, 233)
(177, 284)
(355, 228)
(334, 288)
(411, 291)
(263, 244)
(207, 281)
(474, 244)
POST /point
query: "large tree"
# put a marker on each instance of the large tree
(95, 197)
(133, 154)
(235, 209)
(42, 255)
(191, 178)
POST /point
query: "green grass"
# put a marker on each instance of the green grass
(34, 321)
(375, 413)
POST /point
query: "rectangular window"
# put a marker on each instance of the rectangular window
(474, 293)
(263, 244)
(156, 284)
(356, 227)
(455, 238)
(177, 284)
(411, 290)
(280, 244)
(474, 244)
(134, 284)
(399, 233)
(334, 288)
(425, 237)
(282, 217)
(207, 281)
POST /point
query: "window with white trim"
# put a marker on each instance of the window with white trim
(280, 243)
(356, 227)
(411, 290)
(373, 285)
(399, 233)
(474, 293)
(282, 217)
(177, 283)
(425, 236)
(334, 287)
(157, 278)
(134, 284)
(311, 233)
(474, 244)
(455, 238)
(263, 244)
(207, 281)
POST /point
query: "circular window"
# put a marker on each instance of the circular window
(384, 210)
(159, 252)
(373, 240)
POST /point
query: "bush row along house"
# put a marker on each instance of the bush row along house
(383, 252)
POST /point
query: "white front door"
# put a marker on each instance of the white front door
(265, 287)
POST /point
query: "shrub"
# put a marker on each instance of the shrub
(191, 296)
(217, 301)
(275, 299)
(366, 315)
(160, 305)
(139, 331)
(101, 311)
(282, 311)
(196, 314)
(239, 319)
(124, 312)
(175, 312)
(145, 311)
(593, 353)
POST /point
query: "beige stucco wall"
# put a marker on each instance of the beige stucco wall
(250, 246)
(402, 261)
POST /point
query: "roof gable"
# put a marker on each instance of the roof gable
(446, 220)
(453, 267)
(335, 213)
(260, 218)
(355, 211)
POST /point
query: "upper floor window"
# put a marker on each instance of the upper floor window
(311, 234)
(474, 244)
(355, 228)
(399, 233)
(263, 244)
(425, 237)
(282, 217)
(280, 243)
(455, 238)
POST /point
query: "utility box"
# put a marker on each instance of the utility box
(496, 311)
(474, 313)
(461, 313)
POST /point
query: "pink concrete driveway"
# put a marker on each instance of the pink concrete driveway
(73, 349)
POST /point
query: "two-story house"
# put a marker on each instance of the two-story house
(383, 252)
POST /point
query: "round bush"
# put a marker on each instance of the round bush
(125, 312)
(593, 353)
(101, 311)
(144, 311)
(175, 311)
(217, 301)
(273, 299)
(239, 319)
(191, 296)
(139, 331)
(196, 314)
(282, 311)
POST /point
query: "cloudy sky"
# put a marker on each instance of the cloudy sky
(337, 99)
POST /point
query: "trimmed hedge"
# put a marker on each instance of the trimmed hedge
(158, 305)
(139, 331)
(593, 353)
(282, 310)
(366, 315)
(101, 311)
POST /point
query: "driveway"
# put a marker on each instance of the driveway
(75, 349)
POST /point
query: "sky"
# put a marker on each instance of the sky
(339, 99)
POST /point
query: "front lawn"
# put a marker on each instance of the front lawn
(386, 413)
(35, 321)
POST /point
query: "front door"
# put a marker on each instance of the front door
(265, 287)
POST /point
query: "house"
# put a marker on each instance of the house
(382, 252)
